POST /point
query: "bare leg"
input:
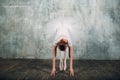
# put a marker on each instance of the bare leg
(64, 60)
(61, 61)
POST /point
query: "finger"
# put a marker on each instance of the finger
(54, 73)
(70, 73)
(73, 73)
(51, 74)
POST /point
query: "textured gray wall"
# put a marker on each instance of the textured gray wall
(95, 27)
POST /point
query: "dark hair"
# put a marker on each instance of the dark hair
(62, 47)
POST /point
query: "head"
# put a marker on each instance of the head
(62, 44)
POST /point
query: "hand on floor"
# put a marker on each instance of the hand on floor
(53, 72)
(71, 72)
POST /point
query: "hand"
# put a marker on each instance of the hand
(71, 72)
(53, 72)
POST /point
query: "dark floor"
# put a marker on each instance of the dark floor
(36, 69)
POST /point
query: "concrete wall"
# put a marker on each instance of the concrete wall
(25, 30)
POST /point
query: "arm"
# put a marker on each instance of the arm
(70, 56)
(71, 61)
(54, 56)
(53, 60)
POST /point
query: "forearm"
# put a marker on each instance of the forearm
(70, 57)
(71, 62)
(53, 62)
(53, 57)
